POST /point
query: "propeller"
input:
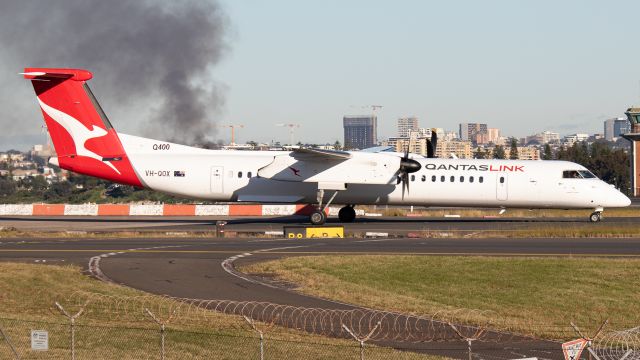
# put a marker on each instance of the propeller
(432, 144)
(407, 166)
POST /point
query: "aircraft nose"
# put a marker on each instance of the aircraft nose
(626, 201)
(620, 200)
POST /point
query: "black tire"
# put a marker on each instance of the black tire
(595, 217)
(318, 217)
(347, 214)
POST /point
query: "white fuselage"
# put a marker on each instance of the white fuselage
(221, 175)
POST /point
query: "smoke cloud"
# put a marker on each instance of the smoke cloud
(152, 60)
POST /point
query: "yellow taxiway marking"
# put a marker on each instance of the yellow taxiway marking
(263, 252)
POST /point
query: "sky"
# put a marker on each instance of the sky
(521, 66)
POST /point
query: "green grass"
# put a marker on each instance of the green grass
(115, 326)
(538, 296)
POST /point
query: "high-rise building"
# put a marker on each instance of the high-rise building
(469, 131)
(406, 125)
(360, 131)
(615, 127)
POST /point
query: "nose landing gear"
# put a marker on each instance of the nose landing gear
(596, 215)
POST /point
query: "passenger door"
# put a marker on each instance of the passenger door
(217, 179)
(502, 188)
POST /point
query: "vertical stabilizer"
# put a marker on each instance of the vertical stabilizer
(84, 140)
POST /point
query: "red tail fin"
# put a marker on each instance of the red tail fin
(82, 135)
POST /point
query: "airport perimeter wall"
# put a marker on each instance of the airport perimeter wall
(159, 210)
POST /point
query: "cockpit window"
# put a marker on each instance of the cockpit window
(587, 174)
(577, 174)
(571, 174)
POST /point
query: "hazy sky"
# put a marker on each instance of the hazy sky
(522, 66)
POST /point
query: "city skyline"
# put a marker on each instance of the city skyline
(444, 63)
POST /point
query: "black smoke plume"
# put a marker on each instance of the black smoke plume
(151, 58)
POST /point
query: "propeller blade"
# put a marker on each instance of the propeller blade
(406, 150)
(405, 184)
(433, 144)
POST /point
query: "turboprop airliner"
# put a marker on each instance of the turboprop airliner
(86, 143)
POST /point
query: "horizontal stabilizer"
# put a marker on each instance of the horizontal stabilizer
(52, 73)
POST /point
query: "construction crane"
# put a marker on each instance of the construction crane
(292, 128)
(233, 131)
(372, 107)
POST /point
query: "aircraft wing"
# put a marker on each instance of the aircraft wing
(330, 166)
(324, 154)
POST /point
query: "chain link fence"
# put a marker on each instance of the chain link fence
(94, 326)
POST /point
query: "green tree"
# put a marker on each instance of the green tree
(337, 145)
(480, 154)
(498, 152)
(7, 187)
(513, 152)
(547, 155)
(59, 191)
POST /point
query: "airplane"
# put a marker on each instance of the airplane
(86, 142)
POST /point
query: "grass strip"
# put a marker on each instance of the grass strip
(528, 295)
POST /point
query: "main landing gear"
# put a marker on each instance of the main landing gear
(596, 215)
(347, 214)
(319, 216)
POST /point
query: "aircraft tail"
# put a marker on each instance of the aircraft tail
(84, 140)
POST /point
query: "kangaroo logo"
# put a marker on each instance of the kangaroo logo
(296, 172)
(78, 132)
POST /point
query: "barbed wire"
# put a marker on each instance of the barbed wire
(381, 326)
(618, 345)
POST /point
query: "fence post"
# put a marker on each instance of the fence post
(6, 338)
(364, 339)
(72, 319)
(253, 326)
(469, 339)
(162, 329)
(590, 339)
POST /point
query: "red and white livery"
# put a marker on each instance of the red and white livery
(86, 143)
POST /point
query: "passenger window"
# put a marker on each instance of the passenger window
(442, 178)
(424, 178)
(461, 178)
(433, 178)
(452, 179)
(470, 179)
(501, 179)
(249, 174)
(481, 179)
(239, 174)
(413, 178)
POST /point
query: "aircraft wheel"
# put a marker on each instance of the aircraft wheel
(347, 214)
(318, 217)
(595, 217)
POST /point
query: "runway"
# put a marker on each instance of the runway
(391, 225)
(205, 268)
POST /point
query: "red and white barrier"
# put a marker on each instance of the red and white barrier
(158, 210)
